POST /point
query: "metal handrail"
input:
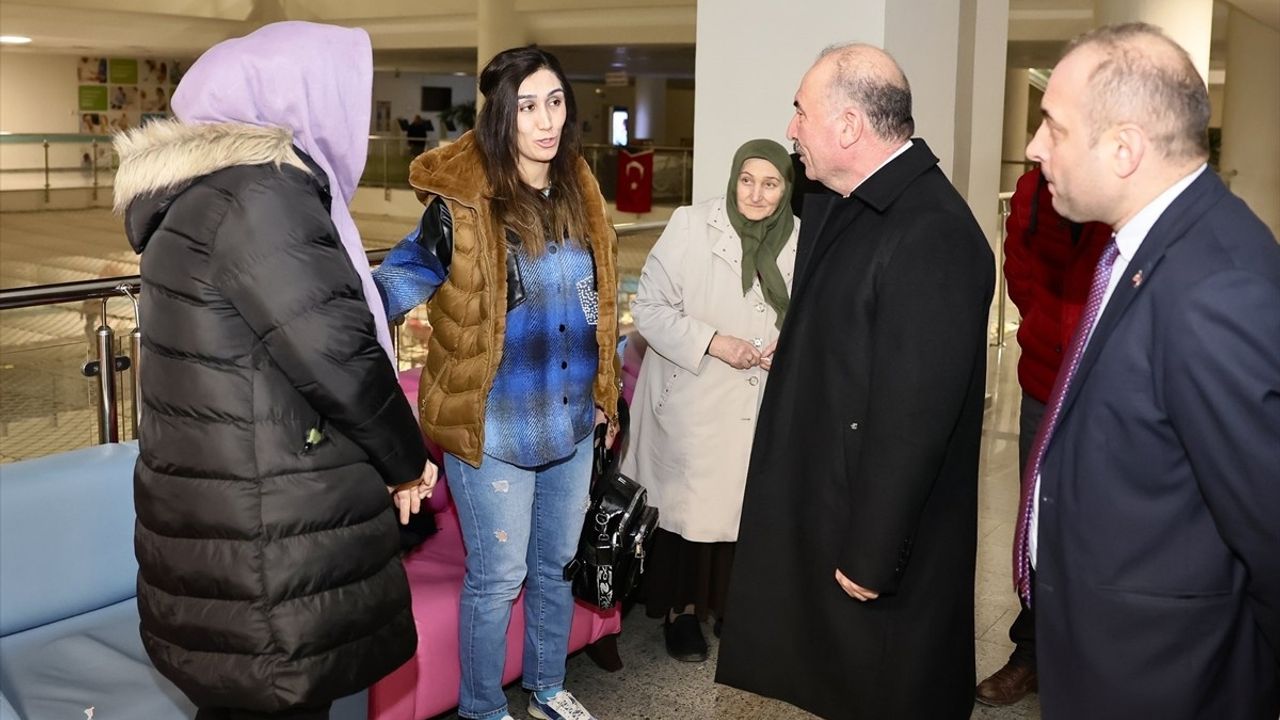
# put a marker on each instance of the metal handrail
(1005, 198)
(585, 146)
(81, 290)
(656, 148)
(106, 363)
(37, 138)
(593, 152)
(57, 293)
(636, 228)
(46, 166)
(114, 287)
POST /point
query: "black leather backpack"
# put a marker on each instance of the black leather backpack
(616, 532)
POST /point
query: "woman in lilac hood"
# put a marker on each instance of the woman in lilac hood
(273, 428)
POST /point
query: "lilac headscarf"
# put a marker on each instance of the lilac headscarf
(316, 80)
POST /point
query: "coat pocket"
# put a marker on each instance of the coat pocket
(313, 437)
(851, 436)
(669, 382)
(1169, 598)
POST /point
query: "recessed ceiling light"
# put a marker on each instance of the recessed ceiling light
(14, 40)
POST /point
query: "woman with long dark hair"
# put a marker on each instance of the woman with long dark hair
(515, 256)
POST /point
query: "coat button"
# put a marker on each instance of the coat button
(553, 249)
(562, 328)
(759, 307)
(753, 381)
(853, 426)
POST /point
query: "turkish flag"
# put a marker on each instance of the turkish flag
(635, 181)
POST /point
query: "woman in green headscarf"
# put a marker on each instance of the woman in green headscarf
(712, 297)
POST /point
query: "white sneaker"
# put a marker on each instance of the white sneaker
(562, 706)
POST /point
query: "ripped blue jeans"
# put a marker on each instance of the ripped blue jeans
(520, 527)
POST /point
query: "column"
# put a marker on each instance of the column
(1017, 111)
(1250, 160)
(650, 114)
(978, 140)
(752, 96)
(498, 27)
(1188, 22)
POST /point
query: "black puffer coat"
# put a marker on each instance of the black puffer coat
(269, 572)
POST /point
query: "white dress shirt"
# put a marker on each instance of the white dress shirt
(887, 160)
(1128, 239)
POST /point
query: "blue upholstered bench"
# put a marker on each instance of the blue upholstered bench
(68, 616)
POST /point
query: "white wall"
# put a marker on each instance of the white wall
(1217, 100)
(979, 141)
(1017, 110)
(680, 116)
(38, 93)
(1189, 22)
(594, 101)
(405, 94)
(956, 71)
(748, 67)
(1251, 117)
(649, 116)
(924, 37)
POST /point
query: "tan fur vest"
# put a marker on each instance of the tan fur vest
(469, 312)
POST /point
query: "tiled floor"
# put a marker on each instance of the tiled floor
(46, 404)
(653, 686)
(42, 350)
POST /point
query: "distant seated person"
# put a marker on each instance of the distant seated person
(417, 132)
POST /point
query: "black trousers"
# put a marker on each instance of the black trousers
(1023, 630)
(311, 712)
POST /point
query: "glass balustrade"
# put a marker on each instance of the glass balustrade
(50, 382)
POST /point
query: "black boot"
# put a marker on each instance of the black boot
(684, 639)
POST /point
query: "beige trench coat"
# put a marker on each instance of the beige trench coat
(693, 416)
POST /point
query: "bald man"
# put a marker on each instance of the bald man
(852, 589)
(1154, 517)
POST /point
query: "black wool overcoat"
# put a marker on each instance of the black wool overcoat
(866, 459)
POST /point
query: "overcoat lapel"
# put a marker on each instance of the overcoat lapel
(830, 216)
(1171, 227)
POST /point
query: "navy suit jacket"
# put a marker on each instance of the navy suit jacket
(1158, 575)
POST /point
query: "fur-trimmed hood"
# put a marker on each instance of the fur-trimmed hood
(160, 159)
(170, 154)
(455, 171)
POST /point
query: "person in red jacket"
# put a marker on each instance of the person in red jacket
(1048, 267)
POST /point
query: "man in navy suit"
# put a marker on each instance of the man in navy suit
(1154, 527)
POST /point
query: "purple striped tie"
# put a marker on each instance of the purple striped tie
(1021, 546)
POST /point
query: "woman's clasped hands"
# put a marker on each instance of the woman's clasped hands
(741, 354)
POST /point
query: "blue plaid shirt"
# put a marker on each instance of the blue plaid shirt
(541, 403)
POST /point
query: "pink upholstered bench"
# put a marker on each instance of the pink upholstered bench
(427, 685)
